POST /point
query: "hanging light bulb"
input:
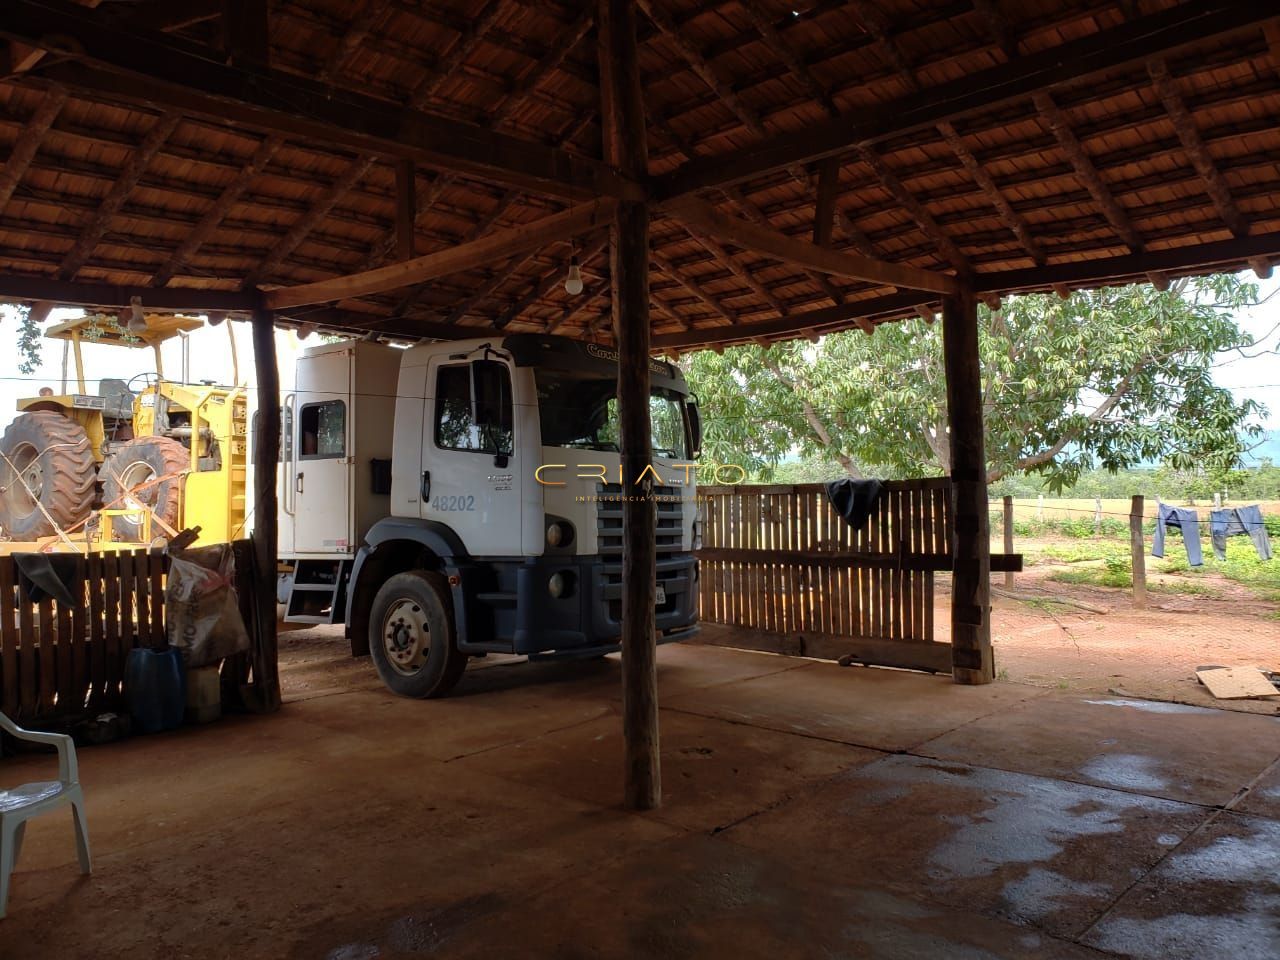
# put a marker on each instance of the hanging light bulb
(573, 282)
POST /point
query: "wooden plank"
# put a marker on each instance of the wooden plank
(97, 635)
(46, 657)
(873, 651)
(113, 658)
(1236, 683)
(28, 675)
(266, 450)
(124, 568)
(80, 682)
(63, 642)
(467, 256)
(156, 568)
(142, 593)
(825, 203)
(754, 236)
(10, 696)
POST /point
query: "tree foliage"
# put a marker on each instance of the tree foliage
(29, 338)
(1108, 378)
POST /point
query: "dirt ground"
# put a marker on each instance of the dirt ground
(1151, 653)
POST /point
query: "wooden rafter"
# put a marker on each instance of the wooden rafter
(111, 204)
(1189, 135)
(29, 141)
(696, 289)
(154, 67)
(1156, 34)
(876, 24)
(547, 282)
(213, 217)
(468, 256)
(765, 240)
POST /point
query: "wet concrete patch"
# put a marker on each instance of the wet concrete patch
(1173, 751)
(1013, 846)
(1217, 895)
(881, 709)
(698, 898)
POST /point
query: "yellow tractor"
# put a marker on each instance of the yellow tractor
(137, 455)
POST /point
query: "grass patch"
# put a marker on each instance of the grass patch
(1114, 572)
(1082, 551)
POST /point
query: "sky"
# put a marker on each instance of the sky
(1253, 373)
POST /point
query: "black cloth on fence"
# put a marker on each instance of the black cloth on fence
(46, 575)
(855, 500)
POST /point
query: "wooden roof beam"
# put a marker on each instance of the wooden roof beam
(29, 141)
(1135, 41)
(468, 256)
(169, 71)
(695, 288)
(111, 204)
(765, 240)
(1189, 135)
(726, 259)
(71, 293)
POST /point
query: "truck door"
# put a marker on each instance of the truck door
(469, 459)
(321, 494)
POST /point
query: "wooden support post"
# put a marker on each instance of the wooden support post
(825, 206)
(266, 453)
(1138, 552)
(1008, 538)
(623, 113)
(971, 657)
(406, 209)
(245, 32)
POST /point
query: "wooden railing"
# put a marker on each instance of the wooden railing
(780, 566)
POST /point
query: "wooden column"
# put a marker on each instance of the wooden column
(1008, 537)
(1138, 551)
(266, 454)
(971, 659)
(406, 208)
(624, 138)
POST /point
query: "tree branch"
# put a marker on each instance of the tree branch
(811, 417)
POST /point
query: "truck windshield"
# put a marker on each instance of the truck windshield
(581, 411)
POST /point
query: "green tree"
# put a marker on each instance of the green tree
(1108, 378)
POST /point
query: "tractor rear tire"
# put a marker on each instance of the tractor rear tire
(139, 462)
(47, 462)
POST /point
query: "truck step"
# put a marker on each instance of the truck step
(497, 599)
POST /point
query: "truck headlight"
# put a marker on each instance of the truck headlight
(559, 533)
(560, 584)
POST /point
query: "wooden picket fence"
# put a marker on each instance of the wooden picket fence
(785, 570)
(59, 661)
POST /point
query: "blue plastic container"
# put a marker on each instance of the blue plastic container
(155, 688)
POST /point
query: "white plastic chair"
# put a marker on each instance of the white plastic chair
(20, 804)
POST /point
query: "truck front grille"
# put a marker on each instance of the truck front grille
(609, 538)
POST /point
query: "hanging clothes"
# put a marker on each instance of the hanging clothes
(1186, 520)
(1234, 522)
(855, 500)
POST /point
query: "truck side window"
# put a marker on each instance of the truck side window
(474, 409)
(322, 430)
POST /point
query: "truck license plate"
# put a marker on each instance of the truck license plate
(660, 595)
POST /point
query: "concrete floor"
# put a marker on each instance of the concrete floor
(811, 811)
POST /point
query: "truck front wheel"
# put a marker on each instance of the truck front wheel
(411, 636)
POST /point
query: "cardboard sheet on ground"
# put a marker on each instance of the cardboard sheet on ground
(1236, 683)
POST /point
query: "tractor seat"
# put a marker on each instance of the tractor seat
(119, 398)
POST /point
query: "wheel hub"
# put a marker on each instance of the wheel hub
(406, 638)
(27, 484)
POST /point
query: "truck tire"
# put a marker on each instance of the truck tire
(47, 462)
(412, 638)
(140, 461)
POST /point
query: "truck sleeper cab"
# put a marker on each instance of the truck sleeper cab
(503, 526)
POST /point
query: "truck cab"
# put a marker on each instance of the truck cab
(500, 529)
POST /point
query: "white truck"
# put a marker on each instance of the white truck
(457, 499)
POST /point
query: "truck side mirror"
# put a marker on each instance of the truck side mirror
(695, 428)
